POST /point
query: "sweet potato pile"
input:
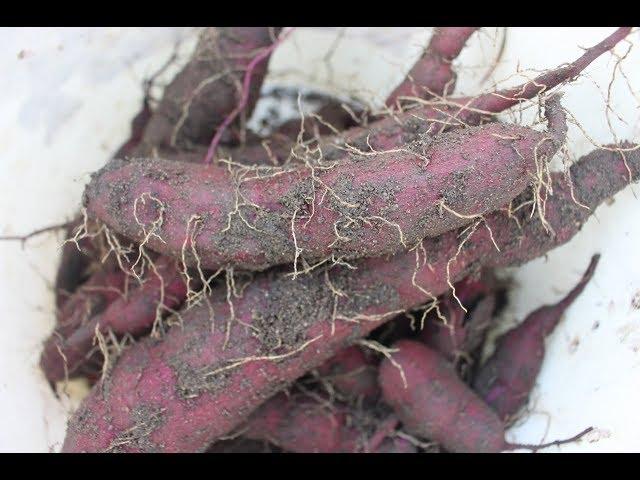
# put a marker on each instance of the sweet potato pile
(327, 288)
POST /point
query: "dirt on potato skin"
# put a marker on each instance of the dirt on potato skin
(370, 206)
(520, 236)
(196, 348)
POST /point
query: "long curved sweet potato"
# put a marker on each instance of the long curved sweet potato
(200, 381)
(372, 207)
(394, 131)
(432, 402)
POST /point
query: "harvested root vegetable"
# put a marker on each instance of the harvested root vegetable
(507, 378)
(93, 297)
(432, 402)
(432, 75)
(464, 330)
(305, 425)
(251, 220)
(201, 381)
(392, 132)
(209, 87)
(352, 373)
(163, 289)
(135, 314)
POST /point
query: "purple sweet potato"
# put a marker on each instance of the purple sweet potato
(464, 331)
(134, 314)
(396, 131)
(372, 207)
(201, 381)
(304, 426)
(218, 51)
(101, 289)
(432, 402)
(208, 88)
(352, 373)
(432, 75)
(507, 378)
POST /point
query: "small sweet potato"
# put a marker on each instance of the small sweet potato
(507, 378)
(352, 373)
(101, 289)
(432, 402)
(304, 426)
(313, 424)
(163, 289)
